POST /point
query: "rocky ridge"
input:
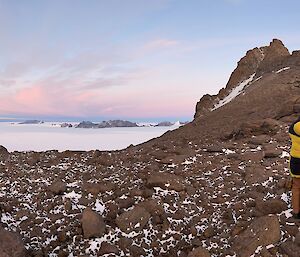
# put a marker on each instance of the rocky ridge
(214, 187)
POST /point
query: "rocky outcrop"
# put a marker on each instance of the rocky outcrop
(274, 58)
(257, 61)
(11, 244)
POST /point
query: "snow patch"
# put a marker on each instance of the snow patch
(283, 69)
(234, 93)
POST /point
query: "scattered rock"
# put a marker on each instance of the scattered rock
(272, 206)
(133, 220)
(262, 231)
(11, 244)
(199, 252)
(92, 224)
(290, 248)
(107, 248)
(166, 181)
(57, 187)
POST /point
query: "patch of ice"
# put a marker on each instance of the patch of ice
(283, 69)
(99, 206)
(49, 240)
(234, 93)
(287, 213)
(284, 154)
(227, 151)
(72, 194)
(284, 197)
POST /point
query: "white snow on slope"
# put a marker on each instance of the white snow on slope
(283, 69)
(234, 93)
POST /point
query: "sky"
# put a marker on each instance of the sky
(129, 59)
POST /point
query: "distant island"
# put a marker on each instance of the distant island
(106, 124)
(119, 124)
(31, 122)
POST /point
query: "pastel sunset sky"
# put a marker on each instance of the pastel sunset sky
(129, 59)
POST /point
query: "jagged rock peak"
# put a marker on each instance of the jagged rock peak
(247, 66)
(275, 53)
(258, 61)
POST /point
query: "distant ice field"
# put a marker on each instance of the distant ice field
(50, 136)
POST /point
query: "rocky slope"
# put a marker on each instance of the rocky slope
(214, 187)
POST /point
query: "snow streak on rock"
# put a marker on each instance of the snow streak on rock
(234, 93)
(283, 69)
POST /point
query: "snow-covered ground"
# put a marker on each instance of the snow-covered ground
(49, 136)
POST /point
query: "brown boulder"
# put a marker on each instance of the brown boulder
(272, 153)
(153, 207)
(57, 187)
(107, 248)
(259, 140)
(166, 181)
(96, 188)
(92, 224)
(11, 244)
(133, 220)
(272, 206)
(261, 232)
(290, 248)
(199, 252)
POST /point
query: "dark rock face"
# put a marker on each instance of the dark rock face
(92, 224)
(133, 220)
(274, 55)
(262, 231)
(11, 244)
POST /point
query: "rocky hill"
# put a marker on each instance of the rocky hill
(214, 187)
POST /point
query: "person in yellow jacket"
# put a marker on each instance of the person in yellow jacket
(294, 133)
